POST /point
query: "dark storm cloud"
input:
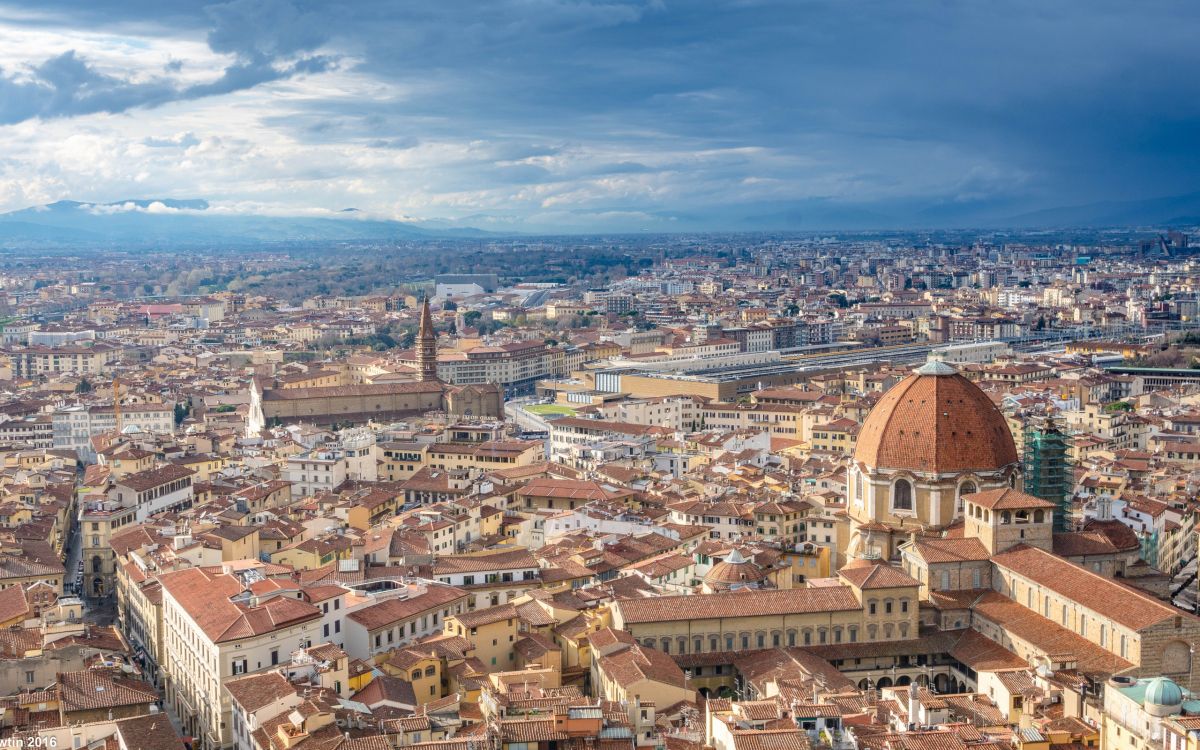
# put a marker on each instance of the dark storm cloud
(954, 104)
(270, 40)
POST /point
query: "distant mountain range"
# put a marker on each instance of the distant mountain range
(1178, 210)
(167, 222)
(164, 222)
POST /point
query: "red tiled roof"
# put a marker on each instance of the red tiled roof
(935, 423)
(737, 604)
(1124, 605)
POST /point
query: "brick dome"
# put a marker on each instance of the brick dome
(935, 421)
(734, 570)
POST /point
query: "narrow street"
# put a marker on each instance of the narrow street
(1183, 587)
(96, 611)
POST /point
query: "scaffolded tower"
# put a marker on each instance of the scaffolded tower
(1047, 470)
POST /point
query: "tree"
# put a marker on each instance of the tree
(84, 386)
(181, 413)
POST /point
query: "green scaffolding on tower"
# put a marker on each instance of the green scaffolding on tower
(1047, 470)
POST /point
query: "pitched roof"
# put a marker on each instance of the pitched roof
(149, 732)
(878, 576)
(1007, 498)
(207, 596)
(636, 663)
(13, 603)
(395, 610)
(1047, 636)
(937, 550)
(737, 604)
(257, 690)
(1124, 605)
(97, 688)
(513, 559)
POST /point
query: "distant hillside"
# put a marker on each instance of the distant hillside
(1173, 210)
(168, 221)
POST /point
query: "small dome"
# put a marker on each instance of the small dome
(132, 429)
(733, 570)
(861, 562)
(1162, 691)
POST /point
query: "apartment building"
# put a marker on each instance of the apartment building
(517, 366)
(216, 628)
(81, 359)
(73, 427)
(152, 491)
(418, 612)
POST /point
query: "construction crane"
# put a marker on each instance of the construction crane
(117, 403)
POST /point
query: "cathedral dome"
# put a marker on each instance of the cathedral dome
(935, 421)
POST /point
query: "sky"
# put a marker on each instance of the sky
(546, 115)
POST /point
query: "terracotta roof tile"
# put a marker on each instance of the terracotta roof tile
(935, 423)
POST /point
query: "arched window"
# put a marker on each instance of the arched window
(858, 487)
(416, 675)
(902, 495)
(430, 671)
(966, 488)
(1039, 516)
(1006, 517)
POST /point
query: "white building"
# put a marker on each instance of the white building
(314, 471)
(155, 490)
(74, 426)
(214, 629)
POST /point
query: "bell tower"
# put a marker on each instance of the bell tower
(426, 346)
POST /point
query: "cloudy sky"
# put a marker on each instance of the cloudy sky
(577, 114)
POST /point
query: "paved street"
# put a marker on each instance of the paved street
(1185, 578)
(96, 611)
